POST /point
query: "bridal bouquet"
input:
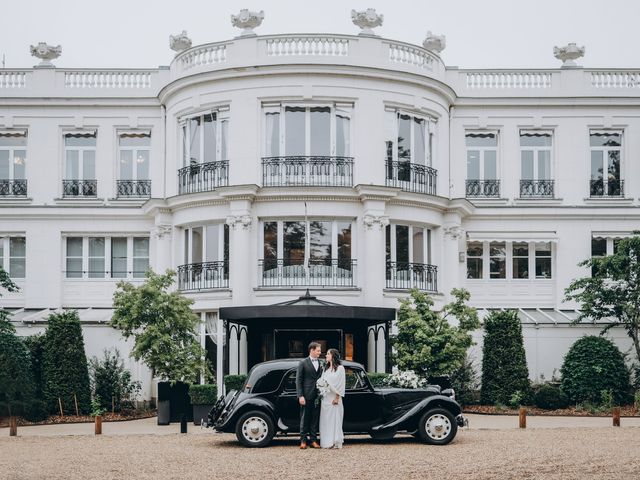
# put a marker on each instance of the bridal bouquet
(323, 388)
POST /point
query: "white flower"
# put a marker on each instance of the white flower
(323, 387)
(406, 379)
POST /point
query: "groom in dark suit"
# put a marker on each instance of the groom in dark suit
(309, 371)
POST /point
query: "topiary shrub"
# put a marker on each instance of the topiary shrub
(234, 382)
(35, 344)
(378, 379)
(65, 369)
(550, 397)
(111, 382)
(464, 382)
(203, 394)
(593, 365)
(16, 382)
(504, 364)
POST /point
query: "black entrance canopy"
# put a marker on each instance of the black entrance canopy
(307, 306)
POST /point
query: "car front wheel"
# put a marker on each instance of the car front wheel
(255, 429)
(437, 427)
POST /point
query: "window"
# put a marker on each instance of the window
(603, 244)
(80, 164)
(409, 137)
(606, 148)
(13, 159)
(205, 137)
(299, 249)
(106, 257)
(308, 131)
(535, 164)
(207, 243)
(133, 176)
(408, 255)
(13, 256)
(513, 260)
(482, 165)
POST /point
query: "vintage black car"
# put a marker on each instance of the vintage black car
(267, 405)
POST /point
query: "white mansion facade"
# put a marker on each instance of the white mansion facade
(351, 167)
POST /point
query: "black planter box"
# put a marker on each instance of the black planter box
(173, 402)
(200, 412)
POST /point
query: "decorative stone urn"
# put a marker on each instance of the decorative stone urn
(366, 20)
(179, 42)
(247, 20)
(46, 53)
(568, 54)
(435, 43)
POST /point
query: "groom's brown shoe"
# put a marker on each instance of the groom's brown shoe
(315, 445)
(303, 445)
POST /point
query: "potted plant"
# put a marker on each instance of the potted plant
(203, 398)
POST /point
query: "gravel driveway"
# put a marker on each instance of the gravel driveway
(562, 453)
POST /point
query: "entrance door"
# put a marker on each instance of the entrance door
(295, 343)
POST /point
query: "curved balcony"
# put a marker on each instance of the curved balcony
(283, 273)
(203, 276)
(313, 171)
(405, 276)
(411, 177)
(203, 177)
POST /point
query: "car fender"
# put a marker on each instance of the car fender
(245, 405)
(409, 420)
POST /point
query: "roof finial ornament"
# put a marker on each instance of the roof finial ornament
(179, 42)
(247, 20)
(46, 53)
(568, 54)
(366, 20)
(435, 43)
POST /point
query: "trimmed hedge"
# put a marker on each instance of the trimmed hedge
(203, 394)
(35, 344)
(234, 382)
(504, 364)
(550, 397)
(593, 365)
(65, 365)
(16, 381)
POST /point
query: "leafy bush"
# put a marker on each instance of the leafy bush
(234, 382)
(378, 379)
(504, 365)
(465, 383)
(111, 382)
(550, 397)
(16, 382)
(65, 369)
(594, 364)
(203, 394)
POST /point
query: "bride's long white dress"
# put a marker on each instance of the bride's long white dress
(331, 415)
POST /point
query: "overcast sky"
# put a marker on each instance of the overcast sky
(480, 33)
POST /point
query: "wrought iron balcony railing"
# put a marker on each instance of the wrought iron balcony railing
(13, 188)
(133, 188)
(79, 188)
(404, 276)
(411, 177)
(203, 276)
(314, 171)
(536, 189)
(609, 188)
(203, 177)
(483, 188)
(324, 273)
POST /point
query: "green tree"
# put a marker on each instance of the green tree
(504, 364)
(427, 342)
(612, 292)
(7, 284)
(16, 382)
(65, 369)
(162, 325)
(35, 345)
(111, 382)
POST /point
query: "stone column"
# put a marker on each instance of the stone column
(220, 356)
(233, 350)
(161, 248)
(453, 255)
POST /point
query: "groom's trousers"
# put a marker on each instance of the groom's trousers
(309, 418)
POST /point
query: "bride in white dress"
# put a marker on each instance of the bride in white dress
(332, 383)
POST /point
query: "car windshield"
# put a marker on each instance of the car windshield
(354, 379)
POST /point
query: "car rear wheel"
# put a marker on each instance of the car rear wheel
(437, 427)
(255, 429)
